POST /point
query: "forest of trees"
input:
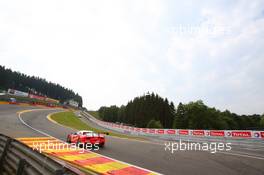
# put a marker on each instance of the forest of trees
(196, 115)
(140, 111)
(25, 83)
(152, 111)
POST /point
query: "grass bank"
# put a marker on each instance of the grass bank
(71, 120)
(95, 114)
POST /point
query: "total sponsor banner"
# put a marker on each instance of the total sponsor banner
(183, 132)
(151, 131)
(238, 134)
(216, 133)
(246, 134)
(160, 131)
(171, 131)
(197, 132)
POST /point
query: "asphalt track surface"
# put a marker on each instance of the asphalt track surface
(242, 159)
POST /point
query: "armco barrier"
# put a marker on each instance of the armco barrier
(17, 158)
(183, 133)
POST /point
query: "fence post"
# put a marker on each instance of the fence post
(21, 166)
(2, 158)
(59, 172)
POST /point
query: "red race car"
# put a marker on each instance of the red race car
(87, 137)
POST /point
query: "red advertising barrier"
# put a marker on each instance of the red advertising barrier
(152, 131)
(132, 128)
(138, 129)
(198, 132)
(206, 133)
(184, 132)
(262, 134)
(160, 131)
(36, 97)
(217, 133)
(171, 131)
(244, 134)
(144, 129)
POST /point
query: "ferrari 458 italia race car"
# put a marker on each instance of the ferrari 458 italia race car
(87, 137)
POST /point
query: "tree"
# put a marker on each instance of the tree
(141, 110)
(146, 110)
(154, 124)
(261, 123)
(181, 117)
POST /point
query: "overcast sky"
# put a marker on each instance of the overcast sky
(111, 51)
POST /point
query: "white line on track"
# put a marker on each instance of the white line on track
(241, 155)
(252, 149)
(22, 121)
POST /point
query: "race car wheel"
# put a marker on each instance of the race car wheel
(68, 140)
(79, 143)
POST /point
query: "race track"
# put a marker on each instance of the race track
(150, 154)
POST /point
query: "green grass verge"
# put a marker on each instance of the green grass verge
(95, 114)
(71, 120)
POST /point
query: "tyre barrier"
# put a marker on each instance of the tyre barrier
(17, 158)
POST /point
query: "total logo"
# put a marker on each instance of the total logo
(229, 134)
(256, 134)
(208, 133)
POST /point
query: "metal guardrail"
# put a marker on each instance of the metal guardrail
(17, 158)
